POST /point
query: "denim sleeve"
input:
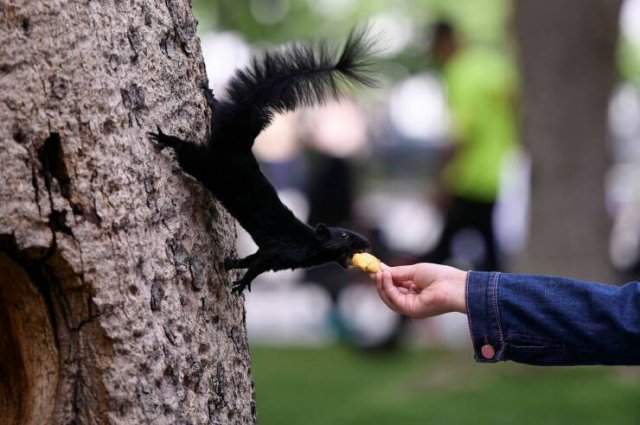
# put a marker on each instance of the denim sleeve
(548, 320)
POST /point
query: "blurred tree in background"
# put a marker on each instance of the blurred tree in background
(567, 60)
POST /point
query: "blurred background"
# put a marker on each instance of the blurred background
(504, 135)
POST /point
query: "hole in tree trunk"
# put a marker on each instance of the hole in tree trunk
(28, 355)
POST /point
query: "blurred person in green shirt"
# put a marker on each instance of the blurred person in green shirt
(480, 85)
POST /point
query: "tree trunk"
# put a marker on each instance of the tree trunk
(567, 58)
(114, 307)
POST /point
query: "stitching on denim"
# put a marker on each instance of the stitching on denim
(498, 315)
(466, 284)
(533, 339)
(495, 282)
(537, 347)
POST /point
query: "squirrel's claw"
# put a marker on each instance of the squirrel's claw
(161, 139)
(239, 286)
(156, 137)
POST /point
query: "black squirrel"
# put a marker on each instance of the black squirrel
(279, 81)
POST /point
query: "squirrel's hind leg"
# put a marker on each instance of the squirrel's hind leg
(239, 263)
(258, 266)
(245, 281)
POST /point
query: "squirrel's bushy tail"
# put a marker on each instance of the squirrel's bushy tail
(280, 81)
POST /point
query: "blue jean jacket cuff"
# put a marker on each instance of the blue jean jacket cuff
(484, 316)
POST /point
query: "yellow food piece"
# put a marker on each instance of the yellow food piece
(366, 262)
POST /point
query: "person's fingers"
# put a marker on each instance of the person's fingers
(381, 293)
(400, 273)
(383, 266)
(398, 300)
(376, 278)
(407, 287)
(406, 284)
(387, 302)
(404, 290)
(379, 286)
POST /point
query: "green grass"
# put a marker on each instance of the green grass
(335, 386)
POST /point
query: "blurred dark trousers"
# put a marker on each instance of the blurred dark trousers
(466, 214)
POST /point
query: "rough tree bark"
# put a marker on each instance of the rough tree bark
(113, 305)
(567, 58)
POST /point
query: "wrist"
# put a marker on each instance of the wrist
(458, 291)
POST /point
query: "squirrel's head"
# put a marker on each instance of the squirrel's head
(340, 243)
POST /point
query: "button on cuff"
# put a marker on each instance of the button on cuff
(484, 317)
(488, 352)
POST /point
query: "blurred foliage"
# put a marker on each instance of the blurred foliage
(482, 18)
(483, 21)
(336, 386)
(313, 19)
(629, 62)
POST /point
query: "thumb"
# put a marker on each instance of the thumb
(403, 273)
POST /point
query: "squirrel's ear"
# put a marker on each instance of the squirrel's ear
(323, 231)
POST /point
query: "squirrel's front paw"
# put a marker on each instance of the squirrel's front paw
(158, 138)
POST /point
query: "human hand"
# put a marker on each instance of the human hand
(422, 290)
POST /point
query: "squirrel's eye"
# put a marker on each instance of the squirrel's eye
(344, 236)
